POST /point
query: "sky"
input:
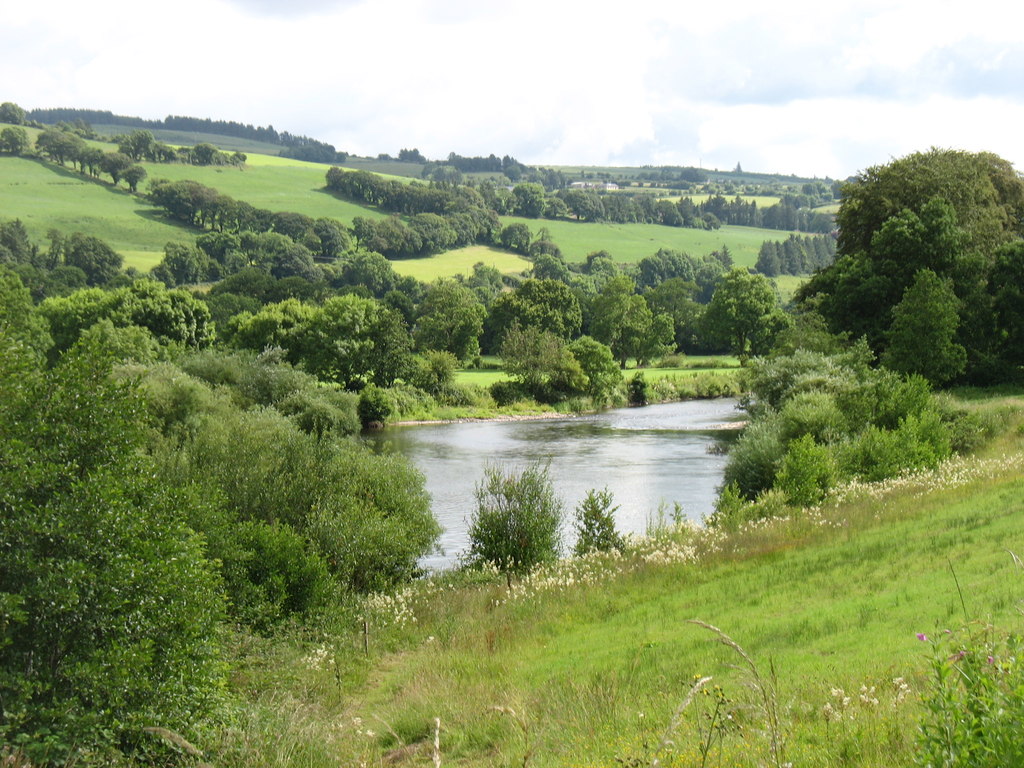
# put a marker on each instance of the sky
(822, 89)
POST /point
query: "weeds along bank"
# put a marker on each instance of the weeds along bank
(836, 617)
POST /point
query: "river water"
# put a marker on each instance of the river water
(648, 458)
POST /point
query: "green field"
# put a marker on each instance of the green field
(460, 262)
(628, 243)
(45, 196)
(278, 184)
(787, 285)
(694, 364)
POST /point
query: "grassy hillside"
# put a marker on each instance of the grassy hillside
(45, 196)
(629, 243)
(587, 664)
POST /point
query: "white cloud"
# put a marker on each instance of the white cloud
(804, 87)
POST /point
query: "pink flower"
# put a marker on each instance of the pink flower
(991, 660)
(922, 637)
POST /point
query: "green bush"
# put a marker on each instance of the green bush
(322, 411)
(755, 458)
(517, 521)
(636, 389)
(507, 392)
(808, 471)
(374, 406)
(273, 575)
(595, 524)
(109, 609)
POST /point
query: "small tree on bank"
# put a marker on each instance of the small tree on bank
(517, 521)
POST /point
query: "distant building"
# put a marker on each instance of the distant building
(605, 185)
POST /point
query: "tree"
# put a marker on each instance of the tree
(138, 145)
(529, 200)
(516, 525)
(625, 322)
(450, 318)
(598, 365)
(542, 363)
(547, 304)
(353, 341)
(132, 175)
(744, 313)
(595, 524)
(922, 338)
(115, 164)
(99, 261)
(13, 140)
(110, 609)
(12, 113)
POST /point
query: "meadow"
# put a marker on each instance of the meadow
(628, 243)
(837, 612)
(460, 262)
(45, 196)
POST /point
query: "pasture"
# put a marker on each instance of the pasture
(460, 262)
(45, 196)
(628, 243)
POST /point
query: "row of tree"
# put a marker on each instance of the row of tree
(796, 255)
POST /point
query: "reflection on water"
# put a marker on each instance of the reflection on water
(647, 457)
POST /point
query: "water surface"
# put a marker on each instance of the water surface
(648, 458)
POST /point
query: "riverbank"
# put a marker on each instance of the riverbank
(839, 612)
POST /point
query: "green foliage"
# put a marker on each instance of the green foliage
(273, 575)
(808, 471)
(756, 457)
(450, 318)
(110, 609)
(922, 337)
(595, 524)
(636, 389)
(974, 702)
(542, 363)
(434, 371)
(744, 313)
(599, 366)
(516, 524)
(374, 406)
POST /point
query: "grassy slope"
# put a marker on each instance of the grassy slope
(45, 196)
(595, 672)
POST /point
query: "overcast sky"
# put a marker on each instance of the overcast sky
(813, 88)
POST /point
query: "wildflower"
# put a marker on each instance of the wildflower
(922, 637)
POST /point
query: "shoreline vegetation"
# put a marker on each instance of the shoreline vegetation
(584, 661)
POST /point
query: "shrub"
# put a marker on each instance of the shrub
(636, 389)
(322, 411)
(808, 471)
(755, 458)
(374, 406)
(109, 609)
(595, 524)
(507, 392)
(274, 575)
(517, 521)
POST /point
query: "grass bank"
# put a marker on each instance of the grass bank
(587, 663)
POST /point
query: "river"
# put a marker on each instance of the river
(648, 458)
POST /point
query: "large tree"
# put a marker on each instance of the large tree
(744, 313)
(946, 211)
(450, 318)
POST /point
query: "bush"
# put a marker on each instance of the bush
(274, 575)
(374, 406)
(517, 521)
(109, 609)
(636, 389)
(595, 524)
(755, 458)
(507, 392)
(808, 471)
(322, 411)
